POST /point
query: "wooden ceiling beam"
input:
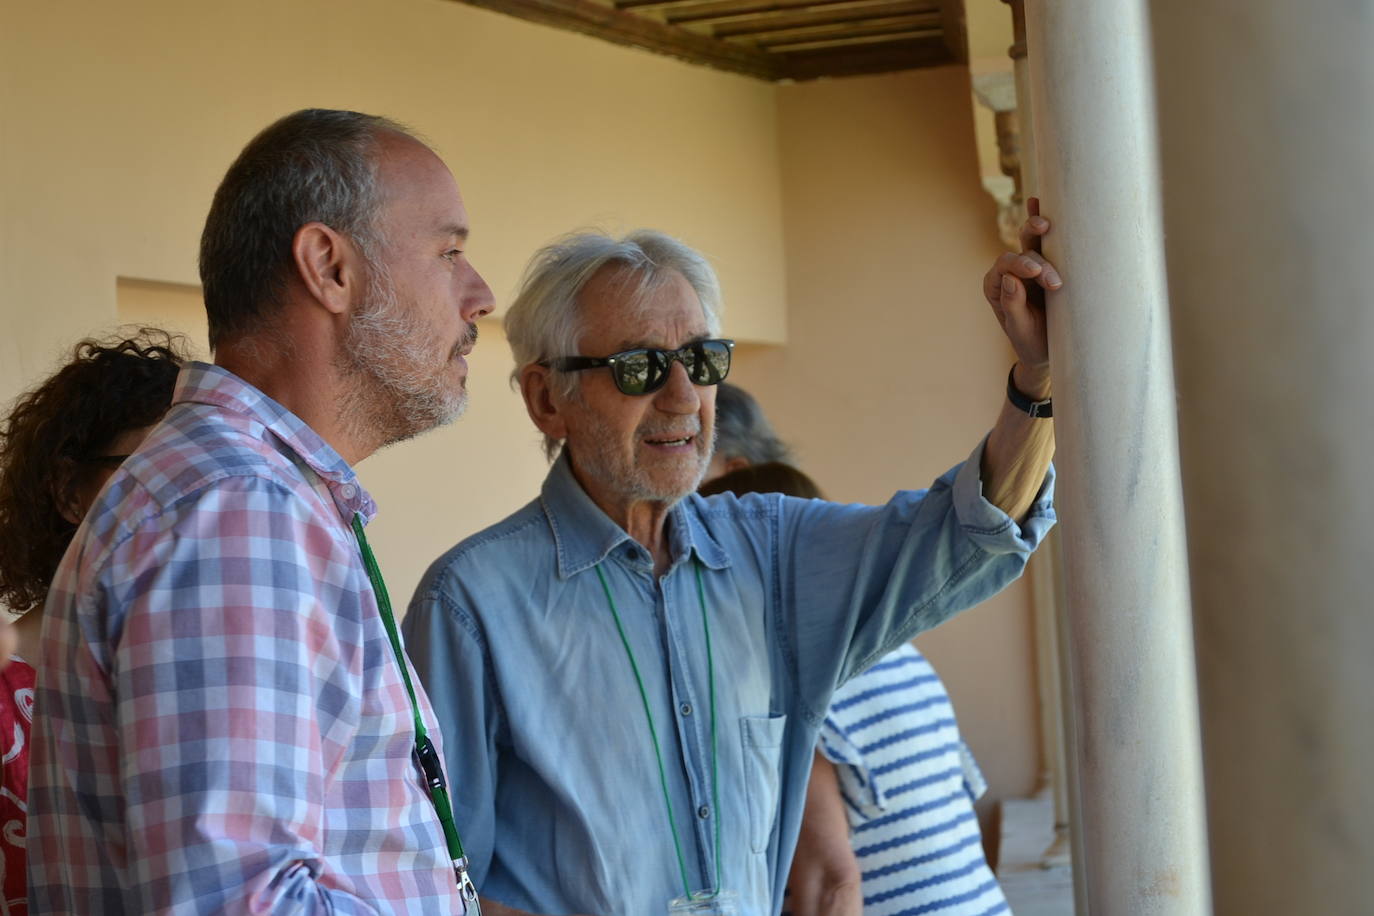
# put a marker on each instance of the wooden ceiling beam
(854, 41)
(755, 25)
(952, 21)
(650, 5)
(877, 29)
(722, 10)
(611, 24)
(887, 58)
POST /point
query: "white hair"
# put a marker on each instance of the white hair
(543, 322)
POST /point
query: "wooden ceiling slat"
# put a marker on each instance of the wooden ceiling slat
(639, 6)
(857, 39)
(767, 39)
(723, 10)
(771, 23)
(886, 58)
(897, 25)
(624, 28)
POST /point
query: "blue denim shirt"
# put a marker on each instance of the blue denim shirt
(555, 782)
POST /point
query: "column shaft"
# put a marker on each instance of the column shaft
(1268, 156)
(1124, 558)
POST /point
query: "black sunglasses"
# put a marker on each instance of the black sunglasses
(645, 369)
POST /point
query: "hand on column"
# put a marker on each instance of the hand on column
(1015, 288)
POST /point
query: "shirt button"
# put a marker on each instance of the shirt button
(348, 491)
(685, 709)
(704, 812)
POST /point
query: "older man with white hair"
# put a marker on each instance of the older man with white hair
(630, 677)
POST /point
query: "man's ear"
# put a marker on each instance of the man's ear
(329, 266)
(536, 389)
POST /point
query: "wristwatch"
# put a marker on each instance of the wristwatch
(1038, 410)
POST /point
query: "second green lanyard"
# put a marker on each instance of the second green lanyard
(653, 729)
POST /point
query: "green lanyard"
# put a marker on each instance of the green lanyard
(653, 730)
(424, 748)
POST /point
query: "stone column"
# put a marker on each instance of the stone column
(1124, 560)
(1268, 158)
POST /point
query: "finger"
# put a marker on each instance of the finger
(1048, 277)
(1019, 317)
(1031, 232)
(1013, 295)
(1009, 291)
(1023, 266)
(992, 280)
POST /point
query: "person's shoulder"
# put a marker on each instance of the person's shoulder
(199, 458)
(198, 446)
(726, 506)
(508, 549)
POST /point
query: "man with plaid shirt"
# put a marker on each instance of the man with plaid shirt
(223, 726)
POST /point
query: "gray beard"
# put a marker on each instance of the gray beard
(395, 384)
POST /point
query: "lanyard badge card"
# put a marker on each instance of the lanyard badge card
(705, 903)
(425, 753)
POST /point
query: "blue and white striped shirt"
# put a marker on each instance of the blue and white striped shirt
(909, 783)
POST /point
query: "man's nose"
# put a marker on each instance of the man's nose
(678, 394)
(478, 299)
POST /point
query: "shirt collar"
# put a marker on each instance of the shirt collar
(203, 383)
(584, 535)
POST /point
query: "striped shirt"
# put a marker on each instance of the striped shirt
(909, 783)
(222, 724)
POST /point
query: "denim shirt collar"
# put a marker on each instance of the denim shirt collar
(584, 535)
(204, 383)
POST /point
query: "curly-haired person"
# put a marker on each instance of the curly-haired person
(58, 446)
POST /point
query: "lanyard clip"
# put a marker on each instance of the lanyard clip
(433, 770)
(466, 889)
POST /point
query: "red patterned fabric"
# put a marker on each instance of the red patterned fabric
(16, 719)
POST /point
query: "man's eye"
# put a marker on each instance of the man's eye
(452, 254)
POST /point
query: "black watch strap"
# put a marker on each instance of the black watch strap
(1039, 410)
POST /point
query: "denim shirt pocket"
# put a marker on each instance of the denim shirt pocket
(762, 775)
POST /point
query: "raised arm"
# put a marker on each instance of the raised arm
(1020, 446)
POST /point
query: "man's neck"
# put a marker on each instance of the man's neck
(644, 520)
(306, 382)
(647, 523)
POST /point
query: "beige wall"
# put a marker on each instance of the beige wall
(894, 366)
(117, 122)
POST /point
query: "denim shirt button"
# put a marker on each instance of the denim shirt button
(704, 812)
(685, 709)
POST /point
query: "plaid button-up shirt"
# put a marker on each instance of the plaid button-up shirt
(221, 724)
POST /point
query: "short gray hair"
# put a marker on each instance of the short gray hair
(313, 165)
(543, 322)
(742, 430)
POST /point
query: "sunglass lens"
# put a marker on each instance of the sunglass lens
(635, 372)
(711, 362)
